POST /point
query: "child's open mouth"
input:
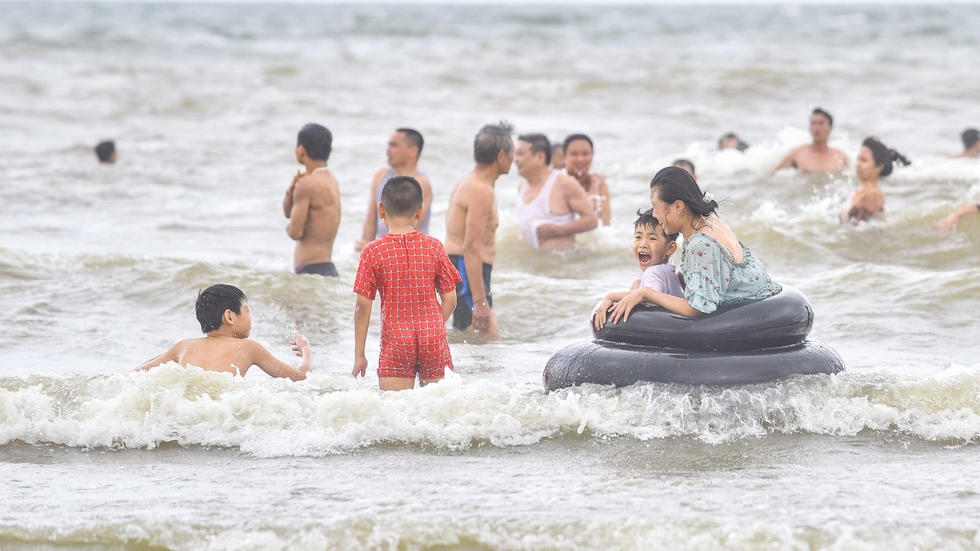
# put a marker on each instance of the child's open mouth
(643, 257)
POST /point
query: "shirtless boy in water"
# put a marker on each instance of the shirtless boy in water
(312, 204)
(226, 348)
(816, 157)
(471, 226)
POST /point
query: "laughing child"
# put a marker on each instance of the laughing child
(651, 249)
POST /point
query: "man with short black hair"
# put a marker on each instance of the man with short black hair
(471, 225)
(971, 143)
(106, 152)
(816, 157)
(551, 206)
(404, 150)
(312, 204)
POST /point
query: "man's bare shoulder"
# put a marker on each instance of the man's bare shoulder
(568, 184)
(376, 181)
(424, 180)
(471, 188)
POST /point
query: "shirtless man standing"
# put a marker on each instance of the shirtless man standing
(551, 207)
(471, 224)
(816, 157)
(404, 149)
(312, 204)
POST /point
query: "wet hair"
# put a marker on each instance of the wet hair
(819, 111)
(684, 163)
(491, 140)
(742, 146)
(883, 156)
(573, 137)
(105, 150)
(539, 144)
(646, 218)
(214, 301)
(402, 196)
(316, 140)
(676, 184)
(970, 137)
(414, 137)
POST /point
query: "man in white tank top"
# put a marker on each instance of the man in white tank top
(551, 206)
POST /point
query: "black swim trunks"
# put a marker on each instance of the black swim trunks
(463, 314)
(320, 268)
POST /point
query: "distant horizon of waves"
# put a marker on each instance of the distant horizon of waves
(334, 414)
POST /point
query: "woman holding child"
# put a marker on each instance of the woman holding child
(716, 268)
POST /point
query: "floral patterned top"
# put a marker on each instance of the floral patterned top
(712, 277)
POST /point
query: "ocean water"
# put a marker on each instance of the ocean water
(99, 267)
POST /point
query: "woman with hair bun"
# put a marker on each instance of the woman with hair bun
(873, 162)
(716, 267)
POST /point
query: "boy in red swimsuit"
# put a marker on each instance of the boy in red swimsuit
(408, 268)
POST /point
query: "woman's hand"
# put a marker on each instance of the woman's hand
(600, 312)
(625, 306)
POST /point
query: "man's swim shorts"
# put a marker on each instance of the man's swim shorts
(463, 314)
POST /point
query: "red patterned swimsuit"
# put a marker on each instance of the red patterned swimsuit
(408, 270)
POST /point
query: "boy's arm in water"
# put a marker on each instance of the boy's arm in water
(448, 304)
(171, 355)
(300, 210)
(362, 320)
(276, 368)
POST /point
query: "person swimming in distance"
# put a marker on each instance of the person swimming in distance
(557, 157)
(731, 141)
(578, 162)
(971, 144)
(686, 165)
(227, 323)
(312, 204)
(403, 152)
(551, 206)
(106, 152)
(816, 157)
(874, 161)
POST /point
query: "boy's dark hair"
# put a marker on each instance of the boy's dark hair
(402, 196)
(970, 137)
(316, 140)
(105, 150)
(676, 184)
(414, 137)
(214, 301)
(490, 141)
(572, 138)
(646, 218)
(689, 165)
(819, 111)
(539, 144)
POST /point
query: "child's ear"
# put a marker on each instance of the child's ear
(418, 213)
(671, 248)
(228, 317)
(381, 211)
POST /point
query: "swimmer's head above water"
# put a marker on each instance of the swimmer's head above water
(971, 141)
(106, 152)
(651, 245)
(875, 160)
(533, 153)
(402, 198)
(676, 197)
(821, 124)
(686, 165)
(493, 145)
(223, 305)
(578, 154)
(314, 142)
(404, 146)
(557, 156)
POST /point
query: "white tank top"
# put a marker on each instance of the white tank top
(530, 216)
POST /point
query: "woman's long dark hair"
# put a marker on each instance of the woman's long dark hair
(883, 156)
(676, 184)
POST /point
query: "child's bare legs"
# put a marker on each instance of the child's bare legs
(396, 383)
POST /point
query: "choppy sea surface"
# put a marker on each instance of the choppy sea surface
(99, 267)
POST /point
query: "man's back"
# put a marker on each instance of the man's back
(320, 193)
(472, 198)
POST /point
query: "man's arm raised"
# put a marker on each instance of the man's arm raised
(300, 210)
(578, 202)
(479, 203)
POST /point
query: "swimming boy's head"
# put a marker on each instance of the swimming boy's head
(651, 246)
(223, 307)
(401, 198)
(971, 137)
(106, 152)
(314, 142)
(686, 165)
